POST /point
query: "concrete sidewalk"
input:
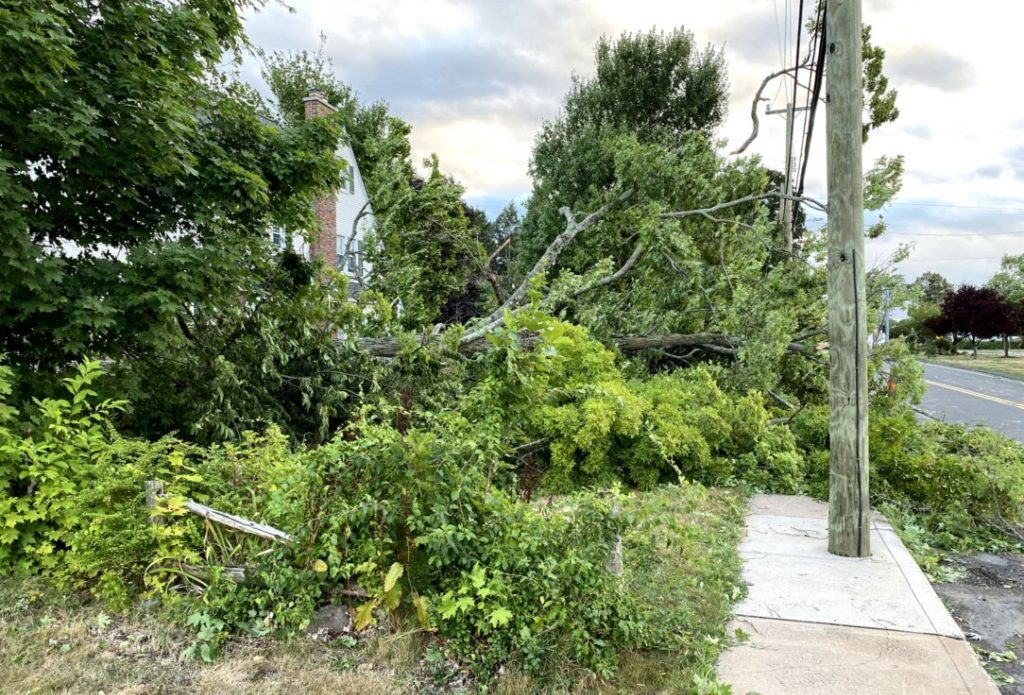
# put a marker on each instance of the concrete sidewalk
(820, 624)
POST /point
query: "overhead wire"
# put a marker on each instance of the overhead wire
(778, 32)
(953, 235)
(796, 83)
(819, 72)
(811, 47)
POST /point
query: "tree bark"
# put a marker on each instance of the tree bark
(718, 343)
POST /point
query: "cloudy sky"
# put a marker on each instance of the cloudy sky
(476, 78)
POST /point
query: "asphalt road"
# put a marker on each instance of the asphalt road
(960, 395)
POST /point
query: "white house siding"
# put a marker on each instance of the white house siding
(351, 199)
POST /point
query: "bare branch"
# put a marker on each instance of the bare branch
(780, 400)
(490, 275)
(573, 228)
(363, 212)
(757, 100)
(705, 212)
(495, 284)
(717, 343)
(609, 279)
(547, 259)
(501, 247)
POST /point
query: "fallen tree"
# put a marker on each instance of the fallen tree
(718, 343)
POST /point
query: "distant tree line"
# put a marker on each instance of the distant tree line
(941, 317)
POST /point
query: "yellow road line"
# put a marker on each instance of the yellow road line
(995, 399)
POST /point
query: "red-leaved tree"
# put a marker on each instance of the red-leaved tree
(977, 313)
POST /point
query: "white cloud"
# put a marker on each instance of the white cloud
(477, 77)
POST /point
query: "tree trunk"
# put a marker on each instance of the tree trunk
(1006, 346)
(718, 343)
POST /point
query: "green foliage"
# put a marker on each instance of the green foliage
(138, 187)
(424, 247)
(45, 468)
(291, 75)
(600, 426)
(275, 359)
(657, 87)
(950, 486)
(412, 520)
(114, 549)
(964, 485)
(879, 101)
(932, 287)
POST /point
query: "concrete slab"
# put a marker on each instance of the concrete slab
(792, 576)
(787, 505)
(827, 624)
(794, 505)
(793, 658)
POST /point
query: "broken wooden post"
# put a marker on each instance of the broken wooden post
(615, 563)
(154, 491)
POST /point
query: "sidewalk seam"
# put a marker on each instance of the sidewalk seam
(848, 625)
(927, 614)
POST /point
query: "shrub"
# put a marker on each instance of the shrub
(959, 484)
(964, 484)
(601, 427)
(413, 518)
(46, 463)
(113, 549)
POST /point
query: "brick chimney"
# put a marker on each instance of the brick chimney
(325, 242)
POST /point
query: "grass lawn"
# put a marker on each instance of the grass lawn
(681, 556)
(990, 362)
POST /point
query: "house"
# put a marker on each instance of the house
(345, 215)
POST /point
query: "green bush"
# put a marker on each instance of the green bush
(600, 427)
(113, 550)
(495, 577)
(961, 485)
(45, 463)
(417, 514)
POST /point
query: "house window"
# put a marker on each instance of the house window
(349, 184)
(353, 264)
(277, 239)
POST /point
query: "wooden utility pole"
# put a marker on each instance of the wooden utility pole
(787, 203)
(849, 509)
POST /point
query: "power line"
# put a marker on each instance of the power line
(911, 259)
(819, 72)
(778, 33)
(811, 45)
(796, 84)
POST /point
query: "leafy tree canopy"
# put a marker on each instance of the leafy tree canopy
(879, 101)
(932, 287)
(1009, 281)
(657, 87)
(137, 188)
(975, 312)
